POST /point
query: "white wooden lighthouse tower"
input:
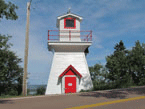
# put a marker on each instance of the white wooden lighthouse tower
(69, 71)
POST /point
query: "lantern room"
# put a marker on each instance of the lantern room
(69, 24)
(69, 29)
(69, 21)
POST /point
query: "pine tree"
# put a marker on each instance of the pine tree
(137, 63)
(117, 65)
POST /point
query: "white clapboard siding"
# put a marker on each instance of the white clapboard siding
(61, 61)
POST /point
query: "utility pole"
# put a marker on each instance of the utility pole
(26, 50)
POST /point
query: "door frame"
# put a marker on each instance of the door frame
(63, 83)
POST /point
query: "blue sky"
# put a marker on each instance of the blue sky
(110, 21)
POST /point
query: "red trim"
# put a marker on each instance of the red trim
(70, 68)
(70, 27)
(48, 34)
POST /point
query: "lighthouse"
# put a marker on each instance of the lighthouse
(69, 71)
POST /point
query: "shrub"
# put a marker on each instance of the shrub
(13, 92)
(41, 90)
(85, 90)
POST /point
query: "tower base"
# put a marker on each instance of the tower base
(61, 61)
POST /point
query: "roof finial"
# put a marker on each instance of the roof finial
(69, 10)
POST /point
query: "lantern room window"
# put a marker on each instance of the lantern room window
(70, 23)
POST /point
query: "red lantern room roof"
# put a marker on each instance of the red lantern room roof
(70, 68)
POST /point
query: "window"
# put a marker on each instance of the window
(69, 23)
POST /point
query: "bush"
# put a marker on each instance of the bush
(40, 90)
(85, 90)
(13, 92)
(104, 86)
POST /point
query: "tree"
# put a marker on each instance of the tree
(137, 63)
(7, 10)
(117, 64)
(99, 76)
(123, 68)
(95, 71)
(10, 71)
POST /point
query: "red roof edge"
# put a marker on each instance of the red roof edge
(68, 68)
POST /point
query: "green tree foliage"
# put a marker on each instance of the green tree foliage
(123, 68)
(95, 71)
(137, 63)
(10, 71)
(127, 67)
(117, 64)
(7, 10)
(99, 76)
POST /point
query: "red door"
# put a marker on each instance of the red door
(70, 84)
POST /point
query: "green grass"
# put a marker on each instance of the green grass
(10, 96)
(132, 86)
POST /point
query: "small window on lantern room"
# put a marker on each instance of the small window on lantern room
(70, 23)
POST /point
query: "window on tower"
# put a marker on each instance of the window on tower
(69, 23)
